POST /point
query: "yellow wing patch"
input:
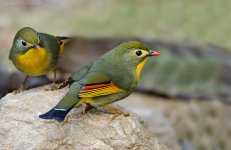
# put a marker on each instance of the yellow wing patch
(99, 90)
(61, 47)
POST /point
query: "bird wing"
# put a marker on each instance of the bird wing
(97, 84)
(78, 75)
(61, 41)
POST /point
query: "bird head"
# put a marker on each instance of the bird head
(132, 53)
(25, 39)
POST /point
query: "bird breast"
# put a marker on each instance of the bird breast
(33, 62)
(139, 68)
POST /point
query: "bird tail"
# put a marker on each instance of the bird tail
(60, 111)
(62, 38)
(58, 115)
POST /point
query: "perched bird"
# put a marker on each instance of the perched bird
(35, 53)
(106, 80)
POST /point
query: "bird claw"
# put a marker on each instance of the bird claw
(21, 89)
(118, 114)
(106, 109)
(54, 87)
(18, 91)
(86, 109)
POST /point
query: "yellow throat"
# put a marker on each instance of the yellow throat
(33, 62)
(139, 68)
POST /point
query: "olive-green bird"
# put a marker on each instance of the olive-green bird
(35, 53)
(106, 80)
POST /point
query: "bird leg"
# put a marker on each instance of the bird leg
(22, 86)
(108, 109)
(86, 108)
(54, 85)
(116, 112)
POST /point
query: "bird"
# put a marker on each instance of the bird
(110, 78)
(35, 53)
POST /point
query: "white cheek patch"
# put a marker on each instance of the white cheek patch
(19, 43)
(20, 46)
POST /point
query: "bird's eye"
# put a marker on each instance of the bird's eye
(138, 53)
(24, 43)
(39, 38)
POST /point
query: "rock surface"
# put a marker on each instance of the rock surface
(158, 122)
(22, 129)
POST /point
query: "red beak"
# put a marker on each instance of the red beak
(154, 53)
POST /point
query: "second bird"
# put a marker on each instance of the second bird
(35, 53)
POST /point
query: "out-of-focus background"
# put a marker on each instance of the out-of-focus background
(184, 95)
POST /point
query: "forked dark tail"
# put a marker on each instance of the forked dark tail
(57, 114)
(60, 111)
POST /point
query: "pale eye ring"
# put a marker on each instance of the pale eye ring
(24, 43)
(138, 53)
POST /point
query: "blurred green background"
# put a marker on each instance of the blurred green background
(184, 94)
(200, 21)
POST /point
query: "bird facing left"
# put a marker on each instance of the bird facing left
(35, 53)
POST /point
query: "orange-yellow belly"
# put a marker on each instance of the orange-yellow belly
(34, 62)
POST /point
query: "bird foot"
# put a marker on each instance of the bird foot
(86, 109)
(116, 112)
(106, 109)
(18, 91)
(54, 87)
(21, 89)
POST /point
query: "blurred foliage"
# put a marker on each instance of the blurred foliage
(201, 21)
(186, 74)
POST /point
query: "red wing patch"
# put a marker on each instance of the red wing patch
(99, 90)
